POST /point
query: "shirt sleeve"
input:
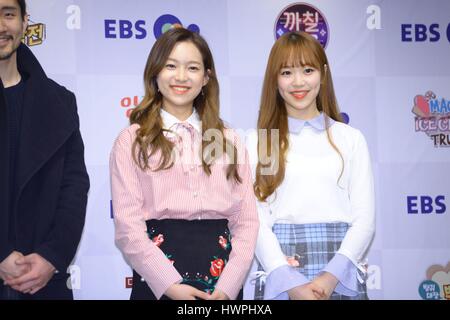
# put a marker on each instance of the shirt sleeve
(268, 250)
(361, 195)
(130, 227)
(280, 280)
(244, 229)
(346, 272)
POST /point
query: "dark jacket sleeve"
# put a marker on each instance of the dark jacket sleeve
(5, 247)
(62, 242)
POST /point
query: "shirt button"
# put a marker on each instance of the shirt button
(192, 168)
(195, 194)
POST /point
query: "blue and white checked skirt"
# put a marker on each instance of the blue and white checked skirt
(314, 245)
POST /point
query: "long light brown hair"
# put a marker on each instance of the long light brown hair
(291, 49)
(150, 137)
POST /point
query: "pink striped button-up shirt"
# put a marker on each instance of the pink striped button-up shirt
(184, 191)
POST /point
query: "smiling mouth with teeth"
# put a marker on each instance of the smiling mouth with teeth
(180, 89)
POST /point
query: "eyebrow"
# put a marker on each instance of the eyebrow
(189, 62)
(9, 8)
(300, 66)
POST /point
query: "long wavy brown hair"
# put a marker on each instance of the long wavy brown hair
(150, 138)
(291, 49)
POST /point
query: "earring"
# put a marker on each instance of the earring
(203, 92)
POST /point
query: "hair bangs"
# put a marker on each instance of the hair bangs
(298, 54)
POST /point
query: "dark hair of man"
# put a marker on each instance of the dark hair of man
(23, 8)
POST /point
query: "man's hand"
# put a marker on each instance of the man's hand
(307, 291)
(39, 274)
(185, 292)
(9, 269)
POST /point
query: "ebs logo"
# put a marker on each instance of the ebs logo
(126, 29)
(425, 204)
(167, 22)
(422, 32)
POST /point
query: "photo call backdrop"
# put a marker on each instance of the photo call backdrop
(390, 64)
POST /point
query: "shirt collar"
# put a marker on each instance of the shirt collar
(318, 123)
(169, 120)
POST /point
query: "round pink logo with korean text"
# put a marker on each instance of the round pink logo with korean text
(303, 17)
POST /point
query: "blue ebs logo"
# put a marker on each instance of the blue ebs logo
(126, 29)
(422, 32)
(167, 22)
(426, 204)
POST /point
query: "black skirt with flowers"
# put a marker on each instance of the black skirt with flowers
(198, 249)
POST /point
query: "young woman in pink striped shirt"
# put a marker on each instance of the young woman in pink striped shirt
(185, 213)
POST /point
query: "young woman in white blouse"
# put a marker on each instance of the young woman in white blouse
(316, 196)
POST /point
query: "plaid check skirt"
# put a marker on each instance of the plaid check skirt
(313, 246)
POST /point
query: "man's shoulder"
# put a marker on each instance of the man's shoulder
(59, 89)
(61, 96)
(57, 99)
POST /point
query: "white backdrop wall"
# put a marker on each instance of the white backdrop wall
(382, 54)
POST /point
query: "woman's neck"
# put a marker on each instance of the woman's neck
(180, 113)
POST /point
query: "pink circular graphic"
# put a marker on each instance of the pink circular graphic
(303, 17)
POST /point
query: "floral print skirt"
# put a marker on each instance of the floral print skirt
(198, 249)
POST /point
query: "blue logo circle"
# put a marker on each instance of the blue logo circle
(303, 17)
(429, 290)
(167, 22)
(448, 32)
(194, 28)
(345, 117)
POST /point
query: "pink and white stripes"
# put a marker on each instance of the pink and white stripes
(178, 193)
